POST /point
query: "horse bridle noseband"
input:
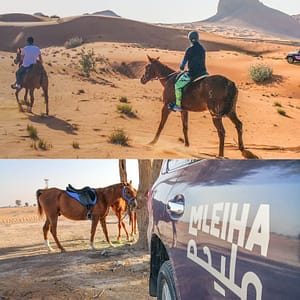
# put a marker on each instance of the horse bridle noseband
(124, 194)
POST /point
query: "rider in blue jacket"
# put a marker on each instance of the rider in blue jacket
(195, 57)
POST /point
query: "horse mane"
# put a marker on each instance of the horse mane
(163, 69)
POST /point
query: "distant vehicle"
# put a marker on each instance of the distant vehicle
(225, 229)
(293, 57)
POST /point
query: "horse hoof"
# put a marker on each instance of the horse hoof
(248, 154)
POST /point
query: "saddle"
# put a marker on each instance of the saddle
(85, 196)
(194, 80)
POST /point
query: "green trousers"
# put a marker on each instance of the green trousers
(179, 85)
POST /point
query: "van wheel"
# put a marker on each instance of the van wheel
(290, 60)
(165, 282)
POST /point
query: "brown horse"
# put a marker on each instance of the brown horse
(121, 209)
(215, 93)
(55, 202)
(35, 78)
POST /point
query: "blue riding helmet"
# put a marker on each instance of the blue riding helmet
(193, 36)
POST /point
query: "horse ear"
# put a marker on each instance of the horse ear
(149, 58)
(130, 182)
(157, 58)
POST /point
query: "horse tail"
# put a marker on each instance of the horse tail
(40, 208)
(232, 94)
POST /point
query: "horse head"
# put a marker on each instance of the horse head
(129, 195)
(18, 59)
(156, 70)
(151, 70)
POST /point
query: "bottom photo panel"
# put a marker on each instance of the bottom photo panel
(145, 229)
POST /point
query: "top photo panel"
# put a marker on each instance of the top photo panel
(150, 80)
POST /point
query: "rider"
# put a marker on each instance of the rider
(29, 56)
(195, 57)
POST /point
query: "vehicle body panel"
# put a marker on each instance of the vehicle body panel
(293, 56)
(238, 234)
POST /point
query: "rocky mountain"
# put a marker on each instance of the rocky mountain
(108, 13)
(254, 14)
(297, 17)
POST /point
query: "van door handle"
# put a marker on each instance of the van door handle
(176, 206)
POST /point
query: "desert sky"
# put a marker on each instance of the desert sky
(141, 10)
(20, 178)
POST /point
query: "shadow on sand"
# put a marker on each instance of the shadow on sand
(54, 123)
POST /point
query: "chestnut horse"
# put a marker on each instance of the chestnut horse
(121, 209)
(35, 78)
(54, 202)
(215, 93)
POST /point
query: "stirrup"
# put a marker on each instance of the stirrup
(172, 106)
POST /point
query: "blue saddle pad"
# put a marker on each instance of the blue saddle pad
(87, 198)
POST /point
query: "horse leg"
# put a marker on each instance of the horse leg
(239, 127)
(93, 231)
(19, 103)
(29, 108)
(46, 229)
(45, 91)
(26, 95)
(133, 224)
(174, 242)
(125, 229)
(164, 116)
(104, 228)
(53, 230)
(184, 119)
(221, 133)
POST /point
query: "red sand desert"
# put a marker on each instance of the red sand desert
(83, 112)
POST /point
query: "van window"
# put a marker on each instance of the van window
(174, 164)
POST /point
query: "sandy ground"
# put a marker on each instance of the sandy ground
(28, 271)
(84, 112)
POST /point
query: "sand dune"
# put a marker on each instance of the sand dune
(84, 111)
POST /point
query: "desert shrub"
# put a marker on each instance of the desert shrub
(32, 131)
(282, 112)
(126, 110)
(75, 145)
(123, 100)
(73, 42)
(260, 72)
(278, 104)
(119, 137)
(43, 145)
(87, 61)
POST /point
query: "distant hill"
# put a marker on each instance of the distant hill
(96, 28)
(16, 17)
(254, 14)
(108, 13)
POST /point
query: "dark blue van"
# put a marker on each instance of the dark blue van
(225, 229)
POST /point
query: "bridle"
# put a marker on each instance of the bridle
(124, 196)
